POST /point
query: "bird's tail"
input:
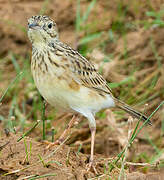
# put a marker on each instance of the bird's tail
(131, 111)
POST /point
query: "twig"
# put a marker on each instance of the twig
(4, 145)
(140, 164)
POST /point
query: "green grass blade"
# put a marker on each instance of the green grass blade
(43, 120)
(89, 38)
(157, 156)
(16, 65)
(86, 14)
(42, 176)
(44, 7)
(135, 133)
(10, 85)
(125, 81)
(26, 150)
(78, 18)
(28, 132)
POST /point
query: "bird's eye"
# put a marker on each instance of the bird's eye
(50, 26)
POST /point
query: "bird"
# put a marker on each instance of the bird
(67, 80)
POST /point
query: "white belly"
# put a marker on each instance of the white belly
(58, 94)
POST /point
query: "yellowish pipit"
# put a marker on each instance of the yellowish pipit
(66, 79)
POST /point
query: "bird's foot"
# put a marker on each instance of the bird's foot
(90, 165)
(62, 137)
(51, 144)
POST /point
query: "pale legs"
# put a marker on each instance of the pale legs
(62, 137)
(70, 125)
(92, 126)
(93, 132)
(91, 161)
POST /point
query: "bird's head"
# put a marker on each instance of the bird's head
(42, 29)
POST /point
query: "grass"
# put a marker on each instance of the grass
(81, 19)
(140, 90)
(134, 134)
(10, 85)
(157, 18)
(53, 134)
(42, 161)
(28, 132)
(44, 120)
(39, 177)
(39, 161)
(28, 152)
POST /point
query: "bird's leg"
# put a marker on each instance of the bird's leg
(93, 131)
(92, 126)
(91, 161)
(62, 137)
(70, 125)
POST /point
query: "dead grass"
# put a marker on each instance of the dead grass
(127, 47)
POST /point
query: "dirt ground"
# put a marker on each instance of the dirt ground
(61, 161)
(29, 157)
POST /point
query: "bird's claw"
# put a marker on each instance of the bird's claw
(90, 165)
(51, 144)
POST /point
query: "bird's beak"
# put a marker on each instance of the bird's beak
(33, 25)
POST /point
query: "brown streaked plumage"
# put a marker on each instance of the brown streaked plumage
(74, 85)
(66, 79)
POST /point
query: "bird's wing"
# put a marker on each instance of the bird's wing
(84, 72)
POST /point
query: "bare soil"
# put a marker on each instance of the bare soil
(66, 162)
(61, 161)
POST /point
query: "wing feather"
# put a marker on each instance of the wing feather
(84, 71)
